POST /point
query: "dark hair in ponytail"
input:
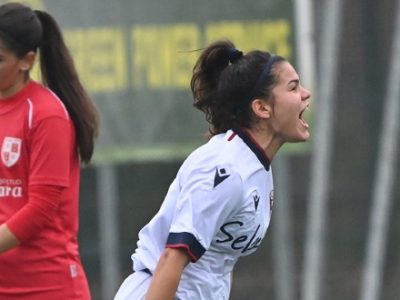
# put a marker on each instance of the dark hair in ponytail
(59, 74)
(24, 30)
(225, 82)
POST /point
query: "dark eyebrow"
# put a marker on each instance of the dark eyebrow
(296, 81)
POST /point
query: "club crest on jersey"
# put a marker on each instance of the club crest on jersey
(271, 200)
(10, 150)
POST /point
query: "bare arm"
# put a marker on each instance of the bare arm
(167, 274)
(7, 239)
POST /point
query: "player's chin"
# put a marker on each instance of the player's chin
(306, 136)
(301, 137)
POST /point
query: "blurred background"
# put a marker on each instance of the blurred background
(333, 233)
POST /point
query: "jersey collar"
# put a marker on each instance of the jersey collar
(254, 146)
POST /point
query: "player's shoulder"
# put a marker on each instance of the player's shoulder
(45, 103)
(225, 149)
(207, 155)
(213, 160)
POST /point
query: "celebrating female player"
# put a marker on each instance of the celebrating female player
(218, 207)
(45, 131)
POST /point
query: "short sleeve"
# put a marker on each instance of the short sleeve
(206, 199)
(50, 152)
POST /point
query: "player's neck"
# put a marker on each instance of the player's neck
(13, 89)
(269, 142)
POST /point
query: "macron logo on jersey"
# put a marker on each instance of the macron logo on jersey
(10, 150)
(220, 175)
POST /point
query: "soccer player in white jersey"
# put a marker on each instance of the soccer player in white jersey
(218, 208)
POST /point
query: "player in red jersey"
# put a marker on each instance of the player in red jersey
(45, 132)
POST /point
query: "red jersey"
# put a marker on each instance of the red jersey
(38, 148)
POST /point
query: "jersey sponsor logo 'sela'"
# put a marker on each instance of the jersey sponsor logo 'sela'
(10, 150)
(220, 175)
(244, 242)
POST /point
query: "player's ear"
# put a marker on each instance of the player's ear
(261, 108)
(27, 61)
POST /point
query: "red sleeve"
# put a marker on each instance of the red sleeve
(37, 213)
(49, 170)
(50, 149)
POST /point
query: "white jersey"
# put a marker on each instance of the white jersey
(218, 208)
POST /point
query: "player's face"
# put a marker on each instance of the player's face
(290, 100)
(12, 72)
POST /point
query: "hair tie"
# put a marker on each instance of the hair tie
(234, 54)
